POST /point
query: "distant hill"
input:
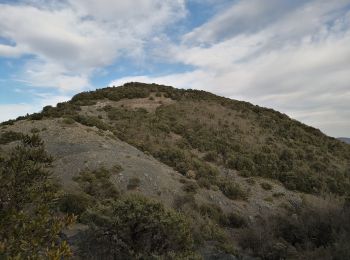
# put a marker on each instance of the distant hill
(344, 139)
(231, 169)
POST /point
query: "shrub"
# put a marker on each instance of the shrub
(134, 183)
(204, 183)
(190, 187)
(250, 181)
(278, 194)
(74, 203)
(136, 227)
(36, 116)
(211, 156)
(240, 163)
(10, 136)
(97, 184)
(176, 158)
(266, 186)
(68, 121)
(213, 212)
(232, 190)
(233, 220)
(29, 224)
(91, 121)
(324, 232)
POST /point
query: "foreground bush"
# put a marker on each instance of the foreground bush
(135, 227)
(10, 136)
(29, 224)
(311, 233)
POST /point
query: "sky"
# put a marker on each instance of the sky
(289, 55)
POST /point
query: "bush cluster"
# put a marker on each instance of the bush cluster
(232, 190)
(10, 136)
(97, 184)
(311, 233)
(136, 228)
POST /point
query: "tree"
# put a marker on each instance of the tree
(29, 224)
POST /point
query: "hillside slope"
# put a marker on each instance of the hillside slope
(227, 165)
(188, 129)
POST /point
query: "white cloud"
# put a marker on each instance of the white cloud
(296, 62)
(78, 37)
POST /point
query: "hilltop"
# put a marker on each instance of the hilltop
(230, 168)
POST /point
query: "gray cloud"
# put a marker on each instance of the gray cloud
(242, 17)
(71, 39)
(292, 58)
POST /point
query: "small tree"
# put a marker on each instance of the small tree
(29, 225)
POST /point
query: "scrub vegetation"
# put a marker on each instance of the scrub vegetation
(214, 143)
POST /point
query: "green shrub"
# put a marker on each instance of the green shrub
(68, 121)
(232, 190)
(134, 183)
(36, 116)
(250, 181)
(91, 121)
(266, 186)
(10, 136)
(278, 194)
(29, 224)
(211, 156)
(136, 227)
(324, 232)
(240, 163)
(204, 183)
(97, 184)
(234, 220)
(74, 203)
(213, 212)
(190, 187)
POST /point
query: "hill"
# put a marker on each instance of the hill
(231, 169)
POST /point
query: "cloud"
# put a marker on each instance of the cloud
(285, 18)
(296, 61)
(78, 37)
